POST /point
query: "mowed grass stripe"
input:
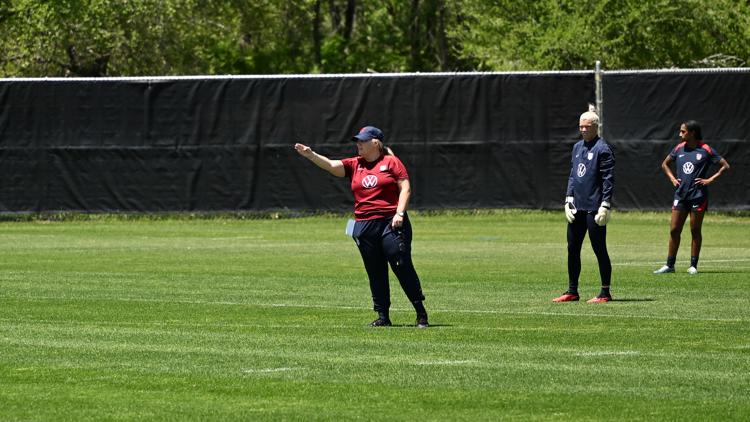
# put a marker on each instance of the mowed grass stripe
(266, 319)
(444, 311)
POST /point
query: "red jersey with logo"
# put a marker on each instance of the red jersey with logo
(375, 185)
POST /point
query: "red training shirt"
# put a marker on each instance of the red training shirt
(375, 185)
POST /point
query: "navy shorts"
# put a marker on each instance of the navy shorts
(694, 205)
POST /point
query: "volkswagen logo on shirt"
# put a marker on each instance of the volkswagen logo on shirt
(688, 168)
(369, 181)
(581, 170)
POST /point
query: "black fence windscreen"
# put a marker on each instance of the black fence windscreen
(644, 111)
(468, 140)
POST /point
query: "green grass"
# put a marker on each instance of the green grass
(217, 319)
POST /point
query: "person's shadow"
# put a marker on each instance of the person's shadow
(427, 328)
(634, 299)
(729, 271)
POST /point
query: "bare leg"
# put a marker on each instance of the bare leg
(696, 223)
(675, 230)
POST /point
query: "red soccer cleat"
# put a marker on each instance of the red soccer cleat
(599, 299)
(567, 297)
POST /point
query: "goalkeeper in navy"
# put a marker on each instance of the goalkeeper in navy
(587, 205)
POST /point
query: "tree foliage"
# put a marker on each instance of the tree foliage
(110, 37)
(571, 34)
(172, 37)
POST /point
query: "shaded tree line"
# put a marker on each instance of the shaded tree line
(184, 37)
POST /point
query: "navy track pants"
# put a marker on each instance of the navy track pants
(379, 246)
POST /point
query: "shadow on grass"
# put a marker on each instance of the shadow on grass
(717, 271)
(635, 299)
(727, 271)
(414, 327)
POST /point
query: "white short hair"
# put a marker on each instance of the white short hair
(590, 116)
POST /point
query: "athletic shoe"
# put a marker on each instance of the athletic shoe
(692, 270)
(599, 299)
(567, 297)
(422, 321)
(381, 323)
(665, 269)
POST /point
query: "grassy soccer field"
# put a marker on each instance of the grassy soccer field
(217, 319)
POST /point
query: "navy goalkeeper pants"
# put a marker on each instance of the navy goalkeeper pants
(380, 246)
(583, 223)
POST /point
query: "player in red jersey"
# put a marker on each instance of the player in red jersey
(692, 157)
(382, 230)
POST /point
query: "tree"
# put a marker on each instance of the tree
(109, 37)
(178, 37)
(571, 34)
(392, 36)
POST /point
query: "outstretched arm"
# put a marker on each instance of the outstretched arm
(335, 167)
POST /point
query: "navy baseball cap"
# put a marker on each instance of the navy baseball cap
(367, 133)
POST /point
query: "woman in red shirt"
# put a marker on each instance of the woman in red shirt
(382, 231)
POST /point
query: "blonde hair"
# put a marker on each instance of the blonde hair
(590, 116)
(384, 149)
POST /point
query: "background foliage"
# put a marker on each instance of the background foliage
(174, 37)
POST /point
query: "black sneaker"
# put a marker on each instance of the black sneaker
(380, 322)
(422, 321)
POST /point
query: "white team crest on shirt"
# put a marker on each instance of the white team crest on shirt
(369, 181)
(688, 168)
(698, 156)
(581, 170)
(591, 155)
(383, 167)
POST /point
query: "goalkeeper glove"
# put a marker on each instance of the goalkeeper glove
(602, 216)
(570, 209)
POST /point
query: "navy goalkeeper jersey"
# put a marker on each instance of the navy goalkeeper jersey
(592, 178)
(692, 163)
